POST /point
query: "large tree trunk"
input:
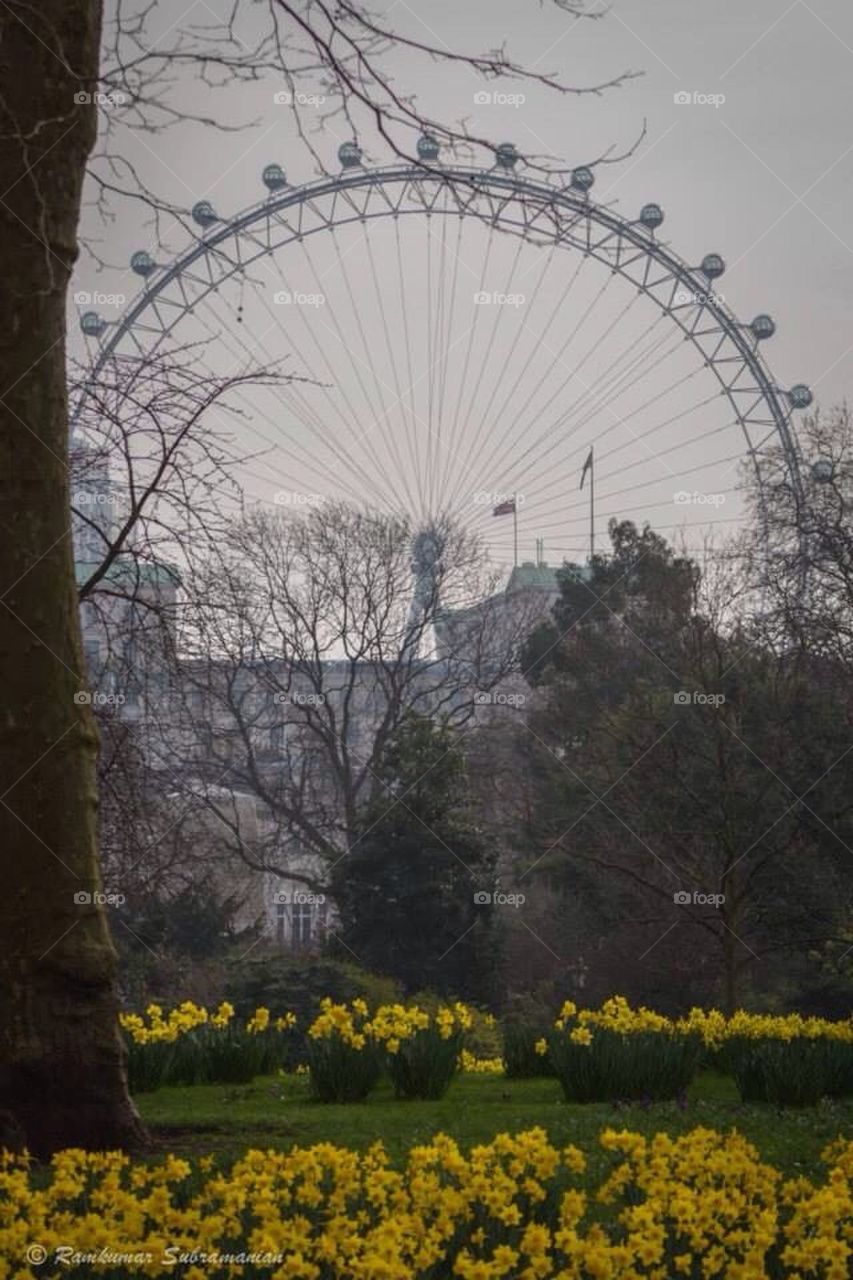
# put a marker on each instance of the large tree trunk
(62, 1072)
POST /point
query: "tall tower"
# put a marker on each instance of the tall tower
(426, 564)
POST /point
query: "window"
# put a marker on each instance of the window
(300, 925)
(301, 920)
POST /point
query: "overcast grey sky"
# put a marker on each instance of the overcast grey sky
(758, 166)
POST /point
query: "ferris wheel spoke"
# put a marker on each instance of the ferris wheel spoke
(471, 333)
(378, 415)
(403, 404)
(292, 397)
(406, 400)
(381, 385)
(506, 361)
(447, 336)
(528, 365)
(559, 355)
(341, 402)
(534, 450)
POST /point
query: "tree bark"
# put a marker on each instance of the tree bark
(62, 1071)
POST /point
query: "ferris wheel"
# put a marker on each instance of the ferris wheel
(463, 338)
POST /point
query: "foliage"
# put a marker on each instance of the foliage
(178, 944)
(791, 1073)
(343, 1058)
(406, 890)
(190, 1046)
(300, 983)
(657, 690)
(521, 1059)
(609, 1065)
(421, 1052)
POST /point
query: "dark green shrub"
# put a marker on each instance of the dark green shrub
(283, 982)
(791, 1073)
(340, 1072)
(521, 1061)
(631, 1066)
(425, 1064)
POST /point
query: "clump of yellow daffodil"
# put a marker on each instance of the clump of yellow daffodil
(189, 1045)
(516, 1208)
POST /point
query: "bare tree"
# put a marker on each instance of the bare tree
(340, 50)
(306, 644)
(799, 547)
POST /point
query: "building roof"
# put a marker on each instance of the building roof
(138, 572)
(532, 577)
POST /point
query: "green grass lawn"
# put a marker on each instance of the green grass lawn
(277, 1112)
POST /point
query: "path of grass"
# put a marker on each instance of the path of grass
(276, 1112)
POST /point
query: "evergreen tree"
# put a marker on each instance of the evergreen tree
(406, 890)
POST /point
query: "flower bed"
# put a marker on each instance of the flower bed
(703, 1205)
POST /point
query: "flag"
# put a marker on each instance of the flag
(505, 508)
(587, 466)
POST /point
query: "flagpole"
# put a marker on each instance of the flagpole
(515, 533)
(591, 503)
